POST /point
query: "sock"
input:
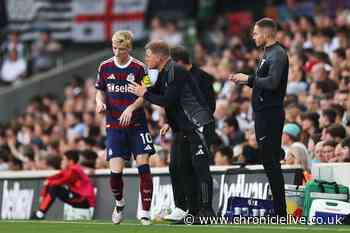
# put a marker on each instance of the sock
(46, 203)
(116, 183)
(146, 186)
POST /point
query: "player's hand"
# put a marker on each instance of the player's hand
(100, 107)
(239, 78)
(164, 130)
(137, 89)
(125, 118)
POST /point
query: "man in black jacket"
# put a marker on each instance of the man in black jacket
(185, 193)
(186, 111)
(269, 89)
(204, 80)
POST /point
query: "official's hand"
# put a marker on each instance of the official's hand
(164, 130)
(100, 107)
(125, 118)
(137, 89)
(239, 78)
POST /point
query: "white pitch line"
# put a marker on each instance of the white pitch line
(288, 227)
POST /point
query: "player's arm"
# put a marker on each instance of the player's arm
(100, 92)
(100, 101)
(171, 94)
(64, 177)
(125, 118)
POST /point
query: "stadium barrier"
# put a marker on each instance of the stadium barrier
(19, 191)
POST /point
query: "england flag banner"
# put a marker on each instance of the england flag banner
(77, 20)
(96, 20)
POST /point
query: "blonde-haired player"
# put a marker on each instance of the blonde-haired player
(126, 126)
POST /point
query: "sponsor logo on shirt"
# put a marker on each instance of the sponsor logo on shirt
(111, 87)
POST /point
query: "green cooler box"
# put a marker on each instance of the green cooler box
(320, 189)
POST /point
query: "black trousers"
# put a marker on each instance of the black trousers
(268, 130)
(189, 169)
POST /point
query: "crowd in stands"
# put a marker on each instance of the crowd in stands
(317, 105)
(19, 60)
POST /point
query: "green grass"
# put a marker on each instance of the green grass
(134, 227)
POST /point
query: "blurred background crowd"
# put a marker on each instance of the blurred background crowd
(317, 129)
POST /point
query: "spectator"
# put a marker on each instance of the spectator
(46, 161)
(157, 29)
(328, 117)
(309, 124)
(13, 69)
(14, 43)
(345, 155)
(250, 149)
(43, 52)
(319, 155)
(4, 160)
(29, 157)
(232, 135)
(298, 155)
(290, 134)
(87, 143)
(15, 164)
(335, 132)
(88, 159)
(245, 116)
(173, 35)
(311, 146)
(328, 150)
(296, 84)
(338, 154)
(76, 128)
(224, 156)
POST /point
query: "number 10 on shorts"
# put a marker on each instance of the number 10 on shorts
(146, 138)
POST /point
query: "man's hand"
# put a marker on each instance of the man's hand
(164, 130)
(239, 78)
(125, 118)
(100, 107)
(137, 89)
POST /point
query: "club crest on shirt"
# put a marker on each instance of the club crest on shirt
(130, 77)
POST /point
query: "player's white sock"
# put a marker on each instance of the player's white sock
(120, 203)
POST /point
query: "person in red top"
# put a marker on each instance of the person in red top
(71, 186)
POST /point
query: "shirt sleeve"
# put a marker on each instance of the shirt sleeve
(64, 177)
(172, 92)
(145, 77)
(100, 81)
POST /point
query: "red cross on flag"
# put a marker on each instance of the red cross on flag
(96, 20)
